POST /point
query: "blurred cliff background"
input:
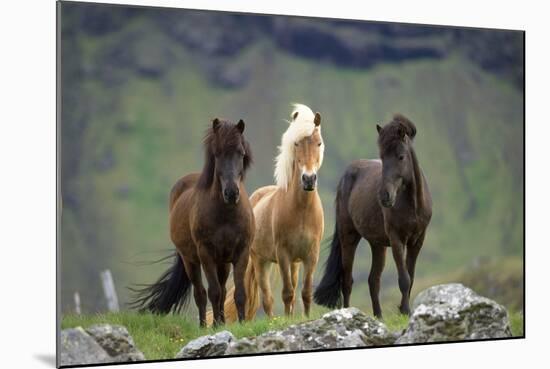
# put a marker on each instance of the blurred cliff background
(140, 86)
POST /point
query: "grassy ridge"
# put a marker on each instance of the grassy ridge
(161, 337)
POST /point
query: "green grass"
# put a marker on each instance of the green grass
(161, 337)
(516, 323)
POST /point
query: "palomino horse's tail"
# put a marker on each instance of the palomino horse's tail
(169, 293)
(252, 299)
(329, 291)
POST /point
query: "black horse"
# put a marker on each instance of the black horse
(386, 202)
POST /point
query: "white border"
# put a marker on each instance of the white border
(27, 153)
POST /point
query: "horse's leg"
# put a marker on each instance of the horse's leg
(288, 291)
(223, 274)
(239, 271)
(214, 289)
(263, 268)
(397, 247)
(349, 239)
(412, 253)
(199, 293)
(307, 287)
(377, 266)
(294, 274)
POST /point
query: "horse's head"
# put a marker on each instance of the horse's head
(395, 144)
(308, 156)
(228, 158)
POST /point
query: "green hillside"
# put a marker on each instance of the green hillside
(129, 136)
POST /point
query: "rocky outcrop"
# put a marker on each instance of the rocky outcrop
(214, 345)
(116, 341)
(454, 312)
(78, 347)
(337, 329)
(102, 343)
(450, 312)
(345, 43)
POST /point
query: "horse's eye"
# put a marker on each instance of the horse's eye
(296, 144)
(319, 144)
(401, 157)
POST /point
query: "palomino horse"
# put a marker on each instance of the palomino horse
(211, 225)
(389, 204)
(289, 219)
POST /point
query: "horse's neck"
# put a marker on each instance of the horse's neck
(214, 192)
(417, 182)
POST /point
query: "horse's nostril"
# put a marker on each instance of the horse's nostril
(304, 178)
(314, 177)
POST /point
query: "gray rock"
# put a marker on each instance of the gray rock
(337, 329)
(78, 347)
(454, 312)
(116, 341)
(214, 345)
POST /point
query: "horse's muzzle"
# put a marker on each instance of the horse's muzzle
(231, 196)
(309, 181)
(386, 200)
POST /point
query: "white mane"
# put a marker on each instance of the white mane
(300, 127)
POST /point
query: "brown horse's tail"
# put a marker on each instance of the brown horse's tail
(252, 298)
(170, 293)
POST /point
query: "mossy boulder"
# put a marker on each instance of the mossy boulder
(453, 312)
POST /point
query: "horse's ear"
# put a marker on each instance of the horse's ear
(407, 126)
(240, 125)
(215, 124)
(294, 115)
(317, 119)
(378, 128)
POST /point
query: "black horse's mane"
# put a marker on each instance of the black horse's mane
(225, 138)
(394, 132)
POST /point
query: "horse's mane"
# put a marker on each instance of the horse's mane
(226, 138)
(301, 125)
(393, 132)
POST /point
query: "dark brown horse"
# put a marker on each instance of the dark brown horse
(386, 202)
(212, 226)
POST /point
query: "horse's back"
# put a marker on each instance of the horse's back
(362, 175)
(183, 184)
(263, 201)
(260, 193)
(362, 179)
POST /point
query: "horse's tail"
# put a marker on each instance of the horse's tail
(329, 291)
(169, 293)
(252, 298)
